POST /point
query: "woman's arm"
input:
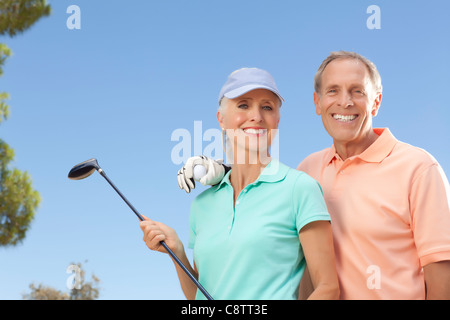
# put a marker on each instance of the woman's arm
(154, 233)
(306, 286)
(317, 242)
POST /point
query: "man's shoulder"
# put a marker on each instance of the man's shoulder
(413, 154)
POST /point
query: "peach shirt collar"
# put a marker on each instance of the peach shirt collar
(376, 152)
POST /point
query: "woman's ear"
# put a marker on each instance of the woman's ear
(220, 119)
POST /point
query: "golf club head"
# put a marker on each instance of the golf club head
(83, 169)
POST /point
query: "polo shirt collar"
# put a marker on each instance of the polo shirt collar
(275, 171)
(381, 148)
(376, 152)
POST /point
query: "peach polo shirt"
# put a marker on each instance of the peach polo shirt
(390, 214)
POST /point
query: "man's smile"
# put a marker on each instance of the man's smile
(344, 117)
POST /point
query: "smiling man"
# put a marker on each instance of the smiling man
(389, 201)
(347, 95)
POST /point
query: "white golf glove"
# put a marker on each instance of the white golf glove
(215, 171)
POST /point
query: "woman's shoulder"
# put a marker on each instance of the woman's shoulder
(299, 177)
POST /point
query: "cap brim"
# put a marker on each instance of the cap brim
(244, 89)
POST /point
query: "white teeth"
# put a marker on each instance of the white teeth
(343, 118)
(255, 131)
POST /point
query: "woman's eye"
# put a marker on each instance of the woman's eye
(243, 106)
(267, 108)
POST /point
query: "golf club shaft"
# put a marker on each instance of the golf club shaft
(182, 266)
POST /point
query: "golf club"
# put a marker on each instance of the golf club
(86, 168)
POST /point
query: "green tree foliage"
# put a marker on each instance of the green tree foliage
(88, 290)
(41, 292)
(18, 200)
(5, 52)
(16, 16)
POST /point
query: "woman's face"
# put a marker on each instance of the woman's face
(252, 120)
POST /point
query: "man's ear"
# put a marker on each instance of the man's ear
(376, 104)
(316, 98)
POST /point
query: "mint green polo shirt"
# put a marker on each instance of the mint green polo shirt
(251, 250)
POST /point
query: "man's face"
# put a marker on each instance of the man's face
(347, 101)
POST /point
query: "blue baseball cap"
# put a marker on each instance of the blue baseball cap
(247, 79)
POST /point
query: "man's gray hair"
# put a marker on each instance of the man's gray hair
(373, 72)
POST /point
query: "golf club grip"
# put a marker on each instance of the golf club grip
(199, 286)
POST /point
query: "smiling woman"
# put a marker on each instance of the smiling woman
(250, 123)
(252, 232)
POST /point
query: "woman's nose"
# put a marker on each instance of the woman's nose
(256, 115)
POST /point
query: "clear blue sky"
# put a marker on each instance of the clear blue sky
(136, 71)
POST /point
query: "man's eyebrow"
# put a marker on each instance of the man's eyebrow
(354, 85)
(331, 86)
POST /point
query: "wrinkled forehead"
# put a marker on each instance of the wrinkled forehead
(346, 71)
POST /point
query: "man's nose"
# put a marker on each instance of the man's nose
(345, 100)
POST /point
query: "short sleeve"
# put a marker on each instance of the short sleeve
(430, 215)
(308, 201)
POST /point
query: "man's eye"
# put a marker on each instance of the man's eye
(267, 108)
(243, 106)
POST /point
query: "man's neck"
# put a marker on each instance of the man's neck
(347, 149)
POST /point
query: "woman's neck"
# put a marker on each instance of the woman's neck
(244, 174)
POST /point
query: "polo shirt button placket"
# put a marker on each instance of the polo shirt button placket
(236, 204)
(344, 167)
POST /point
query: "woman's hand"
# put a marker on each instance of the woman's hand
(155, 232)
